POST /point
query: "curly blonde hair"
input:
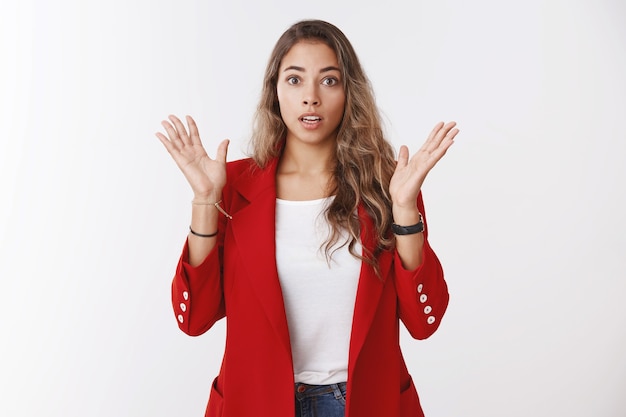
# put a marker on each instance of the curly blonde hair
(364, 158)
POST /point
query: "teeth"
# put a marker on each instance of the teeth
(311, 118)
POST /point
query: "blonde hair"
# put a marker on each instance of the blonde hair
(364, 158)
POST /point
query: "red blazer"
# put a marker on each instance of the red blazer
(239, 281)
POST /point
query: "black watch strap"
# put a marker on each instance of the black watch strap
(408, 230)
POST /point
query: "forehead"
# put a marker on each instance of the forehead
(310, 54)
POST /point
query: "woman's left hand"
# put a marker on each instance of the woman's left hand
(409, 175)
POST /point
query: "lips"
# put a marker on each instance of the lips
(310, 120)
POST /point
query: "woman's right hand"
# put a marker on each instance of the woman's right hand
(206, 176)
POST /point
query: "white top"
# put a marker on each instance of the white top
(319, 297)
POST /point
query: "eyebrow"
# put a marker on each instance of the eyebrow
(301, 69)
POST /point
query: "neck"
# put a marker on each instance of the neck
(307, 159)
(305, 172)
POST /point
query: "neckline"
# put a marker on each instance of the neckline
(304, 202)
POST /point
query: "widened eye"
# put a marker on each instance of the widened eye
(330, 81)
(293, 80)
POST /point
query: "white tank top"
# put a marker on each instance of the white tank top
(319, 297)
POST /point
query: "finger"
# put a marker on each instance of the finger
(194, 134)
(165, 141)
(403, 157)
(172, 133)
(180, 128)
(447, 128)
(434, 142)
(434, 132)
(448, 139)
(443, 131)
(443, 147)
(452, 134)
(222, 150)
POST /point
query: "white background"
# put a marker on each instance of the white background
(526, 211)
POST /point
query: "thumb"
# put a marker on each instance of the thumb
(222, 150)
(403, 157)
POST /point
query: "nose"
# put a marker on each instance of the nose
(311, 97)
(311, 102)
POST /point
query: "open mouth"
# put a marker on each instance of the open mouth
(310, 119)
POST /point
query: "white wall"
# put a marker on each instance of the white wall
(526, 211)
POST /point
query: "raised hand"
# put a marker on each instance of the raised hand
(409, 175)
(206, 176)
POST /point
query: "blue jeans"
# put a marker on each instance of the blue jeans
(320, 400)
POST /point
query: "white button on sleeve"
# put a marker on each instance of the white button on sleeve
(419, 288)
(180, 318)
(423, 298)
(427, 309)
(185, 295)
(183, 307)
(430, 319)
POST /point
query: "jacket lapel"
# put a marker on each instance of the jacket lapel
(253, 225)
(369, 290)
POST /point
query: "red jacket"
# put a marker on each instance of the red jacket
(239, 281)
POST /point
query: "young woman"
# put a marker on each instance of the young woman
(314, 248)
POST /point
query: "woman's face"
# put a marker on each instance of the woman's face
(310, 93)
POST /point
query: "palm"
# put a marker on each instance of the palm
(409, 175)
(206, 176)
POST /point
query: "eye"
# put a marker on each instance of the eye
(330, 81)
(293, 80)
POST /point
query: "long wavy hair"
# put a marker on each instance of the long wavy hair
(364, 158)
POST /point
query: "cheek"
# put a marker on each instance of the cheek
(340, 105)
(284, 99)
(282, 102)
(339, 98)
(279, 94)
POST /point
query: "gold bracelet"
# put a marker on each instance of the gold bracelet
(216, 204)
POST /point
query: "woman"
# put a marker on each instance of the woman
(314, 248)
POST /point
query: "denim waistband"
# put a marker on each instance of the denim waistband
(306, 390)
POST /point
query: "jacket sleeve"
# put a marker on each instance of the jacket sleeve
(422, 293)
(197, 292)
